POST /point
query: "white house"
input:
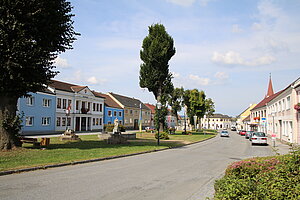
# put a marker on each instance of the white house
(77, 107)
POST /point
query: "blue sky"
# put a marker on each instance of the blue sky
(227, 48)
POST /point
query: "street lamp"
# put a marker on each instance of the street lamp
(273, 134)
(158, 105)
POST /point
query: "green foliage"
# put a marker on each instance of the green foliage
(162, 135)
(268, 178)
(157, 50)
(32, 34)
(110, 127)
(175, 100)
(209, 107)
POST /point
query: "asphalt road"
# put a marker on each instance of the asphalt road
(183, 173)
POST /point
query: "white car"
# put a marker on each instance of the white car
(224, 133)
(259, 138)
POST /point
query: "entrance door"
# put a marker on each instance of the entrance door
(89, 124)
(77, 124)
(83, 123)
(136, 124)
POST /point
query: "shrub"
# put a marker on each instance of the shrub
(261, 178)
(162, 135)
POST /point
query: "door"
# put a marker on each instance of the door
(83, 123)
(77, 124)
(136, 124)
(89, 124)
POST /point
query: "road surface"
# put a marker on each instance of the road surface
(183, 173)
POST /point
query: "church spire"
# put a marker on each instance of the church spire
(270, 88)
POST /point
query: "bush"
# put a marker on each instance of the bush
(261, 178)
(162, 135)
(110, 127)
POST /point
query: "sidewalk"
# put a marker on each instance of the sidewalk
(279, 147)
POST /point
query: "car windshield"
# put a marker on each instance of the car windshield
(224, 132)
(259, 134)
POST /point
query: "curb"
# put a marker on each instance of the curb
(93, 160)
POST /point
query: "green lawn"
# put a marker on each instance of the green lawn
(90, 147)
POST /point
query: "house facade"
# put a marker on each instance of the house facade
(135, 112)
(241, 118)
(152, 112)
(38, 111)
(216, 121)
(77, 107)
(283, 118)
(112, 110)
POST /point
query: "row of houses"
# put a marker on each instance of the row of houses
(63, 105)
(277, 114)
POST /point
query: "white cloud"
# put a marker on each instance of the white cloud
(234, 58)
(221, 75)
(182, 2)
(200, 80)
(236, 29)
(93, 80)
(61, 62)
(257, 26)
(175, 75)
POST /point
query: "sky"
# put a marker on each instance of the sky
(226, 48)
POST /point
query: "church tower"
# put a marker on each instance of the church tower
(270, 88)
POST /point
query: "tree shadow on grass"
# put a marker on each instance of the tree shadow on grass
(96, 144)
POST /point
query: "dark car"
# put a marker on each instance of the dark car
(248, 133)
(233, 128)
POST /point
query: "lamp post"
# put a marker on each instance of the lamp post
(158, 105)
(273, 134)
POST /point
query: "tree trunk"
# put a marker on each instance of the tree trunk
(161, 127)
(8, 108)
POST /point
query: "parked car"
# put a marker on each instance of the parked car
(233, 128)
(259, 138)
(248, 133)
(242, 132)
(224, 133)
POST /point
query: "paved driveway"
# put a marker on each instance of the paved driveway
(183, 173)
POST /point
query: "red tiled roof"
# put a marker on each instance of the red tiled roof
(63, 86)
(108, 100)
(78, 88)
(266, 100)
(151, 107)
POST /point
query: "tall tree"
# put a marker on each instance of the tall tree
(196, 105)
(32, 34)
(175, 101)
(157, 49)
(209, 109)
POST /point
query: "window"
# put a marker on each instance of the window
(30, 101)
(108, 122)
(120, 114)
(100, 121)
(120, 121)
(57, 121)
(94, 122)
(64, 103)
(58, 103)
(89, 105)
(46, 102)
(29, 121)
(115, 113)
(45, 121)
(69, 102)
(288, 102)
(109, 113)
(77, 105)
(94, 107)
(97, 107)
(130, 112)
(97, 121)
(100, 107)
(283, 104)
(63, 121)
(68, 121)
(126, 111)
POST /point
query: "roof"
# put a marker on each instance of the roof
(219, 116)
(109, 102)
(68, 87)
(266, 100)
(128, 101)
(247, 118)
(270, 88)
(151, 107)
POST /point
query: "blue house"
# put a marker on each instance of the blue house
(112, 110)
(38, 113)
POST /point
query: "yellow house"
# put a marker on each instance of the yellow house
(240, 124)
